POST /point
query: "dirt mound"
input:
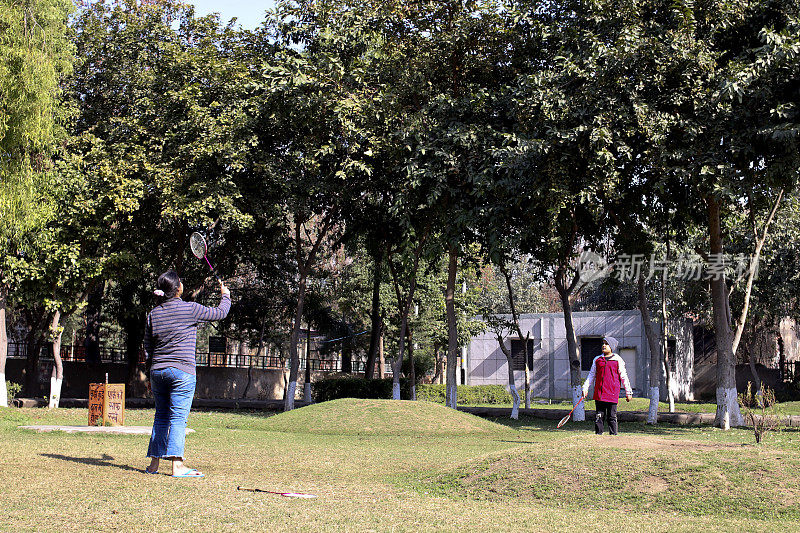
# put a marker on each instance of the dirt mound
(351, 416)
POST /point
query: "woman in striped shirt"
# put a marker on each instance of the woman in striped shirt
(170, 343)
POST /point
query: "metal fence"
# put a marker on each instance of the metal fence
(203, 359)
(72, 353)
(790, 371)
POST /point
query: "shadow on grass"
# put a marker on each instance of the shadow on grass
(105, 460)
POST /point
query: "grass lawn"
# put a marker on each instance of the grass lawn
(397, 466)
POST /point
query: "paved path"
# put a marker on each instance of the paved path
(119, 430)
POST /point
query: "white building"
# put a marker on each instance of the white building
(549, 363)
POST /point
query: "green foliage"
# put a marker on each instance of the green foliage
(338, 386)
(35, 55)
(467, 394)
(12, 389)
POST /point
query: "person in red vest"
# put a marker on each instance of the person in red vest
(606, 376)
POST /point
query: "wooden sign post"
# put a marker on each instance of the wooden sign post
(107, 404)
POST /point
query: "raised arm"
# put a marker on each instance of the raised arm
(209, 314)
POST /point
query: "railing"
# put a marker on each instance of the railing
(204, 359)
(72, 353)
(236, 360)
(790, 371)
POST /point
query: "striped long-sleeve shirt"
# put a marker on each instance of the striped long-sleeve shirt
(170, 337)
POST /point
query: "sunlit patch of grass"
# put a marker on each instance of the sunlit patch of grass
(637, 473)
(417, 469)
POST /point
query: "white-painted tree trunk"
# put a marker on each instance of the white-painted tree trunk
(452, 396)
(395, 391)
(55, 392)
(307, 392)
(3, 390)
(652, 411)
(579, 415)
(671, 392)
(57, 376)
(515, 408)
(289, 404)
(728, 413)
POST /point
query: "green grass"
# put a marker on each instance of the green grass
(397, 466)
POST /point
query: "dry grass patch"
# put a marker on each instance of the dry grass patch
(635, 473)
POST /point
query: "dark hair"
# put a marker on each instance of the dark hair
(170, 283)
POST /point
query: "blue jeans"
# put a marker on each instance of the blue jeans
(173, 390)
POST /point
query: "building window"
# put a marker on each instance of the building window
(518, 354)
(591, 347)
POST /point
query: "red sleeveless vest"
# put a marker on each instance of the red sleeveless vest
(606, 380)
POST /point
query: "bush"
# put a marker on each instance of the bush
(338, 386)
(466, 394)
(12, 389)
(759, 409)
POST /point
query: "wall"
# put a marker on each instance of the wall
(212, 382)
(550, 375)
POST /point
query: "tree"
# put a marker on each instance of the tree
(35, 54)
(158, 93)
(731, 145)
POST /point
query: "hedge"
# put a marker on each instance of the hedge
(337, 386)
(466, 394)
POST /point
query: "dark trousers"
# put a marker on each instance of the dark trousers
(606, 411)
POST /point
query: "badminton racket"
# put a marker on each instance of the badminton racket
(564, 420)
(200, 249)
(286, 494)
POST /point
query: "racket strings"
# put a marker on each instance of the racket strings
(198, 245)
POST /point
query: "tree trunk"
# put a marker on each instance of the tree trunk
(669, 376)
(294, 357)
(94, 306)
(3, 346)
(375, 318)
(381, 358)
(752, 361)
(133, 322)
(412, 371)
(258, 355)
(575, 378)
(401, 349)
(57, 377)
(523, 338)
(452, 332)
(728, 413)
(655, 353)
(405, 309)
(307, 381)
(347, 354)
(512, 382)
(34, 347)
(439, 365)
